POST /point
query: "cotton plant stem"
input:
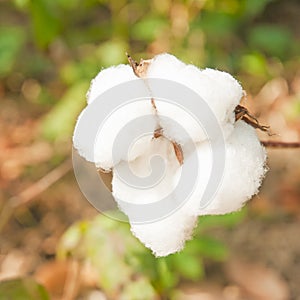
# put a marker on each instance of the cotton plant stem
(33, 190)
(275, 144)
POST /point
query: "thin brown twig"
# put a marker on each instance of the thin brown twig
(275, 144)
(41, 185)
(32, 191)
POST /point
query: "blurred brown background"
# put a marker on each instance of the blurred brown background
(49, 52)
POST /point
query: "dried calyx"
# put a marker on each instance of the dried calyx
(139, 69)
(242, 113)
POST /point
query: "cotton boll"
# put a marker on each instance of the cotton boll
(244, 171)
(168, 235)
(123, 123)
(231, 89)
(165, 66)
(152, 158)
(219, 90)
(101, 151)
(110, 132)
(109, 78)
(175, 119)
(163, 183)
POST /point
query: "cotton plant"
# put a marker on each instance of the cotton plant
(176, 139)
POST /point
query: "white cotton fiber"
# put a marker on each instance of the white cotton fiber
(168, 235)
(146, 169)
(218, 89)
(109, 78)
(244, 171)
(143, 166)
(101, 151)
(179, 124)
(113, 126)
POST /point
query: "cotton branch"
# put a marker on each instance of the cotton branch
(275, 144)
(242, 113)
(33, 191)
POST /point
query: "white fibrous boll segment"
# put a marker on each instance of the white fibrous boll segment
(109, 78)
(245, 157)
(218, 89)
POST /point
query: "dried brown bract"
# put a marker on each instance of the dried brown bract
(242, 113)
(139, 69)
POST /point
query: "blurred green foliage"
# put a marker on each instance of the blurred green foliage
(63, 43)
(22, 289)
(55, 48)
(120, 260)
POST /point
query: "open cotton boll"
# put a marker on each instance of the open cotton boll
(218, 89)
(175, 119)
(165, 66)
(232, 93)
(158, 151)
(101, 152)
(243, 174)
(114, 128)
(159, 162)
(168, 235)
(109, 78)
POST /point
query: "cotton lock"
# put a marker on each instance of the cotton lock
(165, 149)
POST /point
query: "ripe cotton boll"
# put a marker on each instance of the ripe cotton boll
(101, 152)
(166, 236)
(218, 89)
(107, 79)
(243, 174)
(168, 113)
(104, 157)
(163, 182)
(175, 148)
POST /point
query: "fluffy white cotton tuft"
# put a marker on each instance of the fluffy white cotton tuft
(243, 174)
(148, 167)
(158, 161)
(218, 89)
(168, 235)
(109, 78)
(112, 127)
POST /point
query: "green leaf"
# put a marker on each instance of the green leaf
(254, 63)
(112, 53)
(138, 290)
(46, 24)
(273, 40)
(11, 42)
(148, 28)
(188, 266)
(254, 7)
(59, 122)
(208, 247)
(216, 25)
(228, 220)
(71, 240)
(166, 278)
(106, 244)
(22, 289)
